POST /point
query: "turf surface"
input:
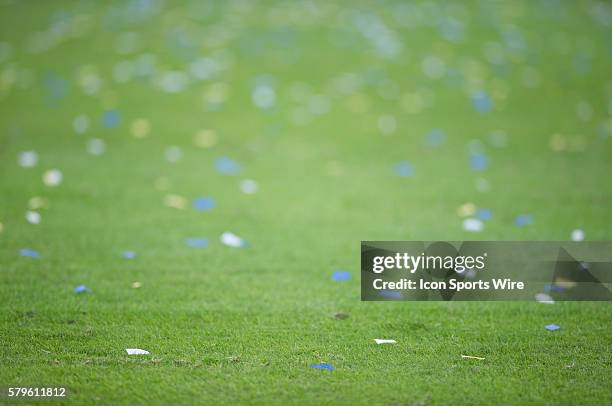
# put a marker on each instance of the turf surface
(243, 325)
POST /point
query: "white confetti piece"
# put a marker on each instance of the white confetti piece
(387, 124)
(249, 186)
(136, 351)
(173, 154)
(473, 225)
(33, 217)
(471, 357)
(136, 285)
(96, 147)
(577, 235)
(232, 240)
(384, 341)
(80, 124)
(28, 159)
(544, 298)
(52, 177)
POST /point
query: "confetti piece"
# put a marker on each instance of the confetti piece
(577, 235)
(111, 119)
(327, 367)
(249, 186)
(227, 166)
(128, 254)
(264, 96)
(36, 203)
(52, 177)
(552, 327)
(391, 294)
(471, 357)
(203, 203)
(384, 341)
(30, 253)
(473, 225)
(136, 285)
(27, 159)
(544, 298)
(404, 169)
(387, 124)
(80, 124)
(205, 138)
(466, 209)
(175, 201)
(482, 102)
(341, 276)
(479, 162)
(140, 128)
(81, 289)
(523, 220)
(33, 217)
(484, 214)
(173, 154)
(96, 147)
(435, 138)
(136, 351)
(232, 240)
(197, 242)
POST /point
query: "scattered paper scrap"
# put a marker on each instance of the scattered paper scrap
(28, 159)
(227, 166)
(323, 366)
(30, 253)
(136, 285)
(577, 235)
(232, 240)
(136, 351)
(33, 217)
(544, 298)
(552, 327)
(175, 201)
(203, 203)
(384, 341)
(249, 186)
(128, 254)
(473, 225)
(341, 276)
(81, 289)
(197, 242)
(471, 357)
(52, 177)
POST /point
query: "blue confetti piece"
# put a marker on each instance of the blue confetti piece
(482, 102)
(523, 220)
(111, 119)
(203, 203)
(227, 166)
(30, 253)
(404, 169)
(81, 289)
(391, 294)
(327, 367)
(56, 86)
(341, 276)
(479, 162)
(197, 242)
(435, 138)
(552, 327)
(128, 254)
(484, 214)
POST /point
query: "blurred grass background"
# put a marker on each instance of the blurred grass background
(318, 102)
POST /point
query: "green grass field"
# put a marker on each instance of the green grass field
(317, 102)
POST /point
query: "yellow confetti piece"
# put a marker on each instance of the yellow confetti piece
(205, 138)
(467, 209)
(175, 201)
(38, 202)
(471, 357)
(140, 128)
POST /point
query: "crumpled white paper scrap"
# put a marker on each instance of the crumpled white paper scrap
(136, 351)
(383, 341)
